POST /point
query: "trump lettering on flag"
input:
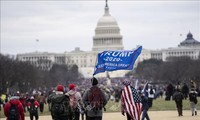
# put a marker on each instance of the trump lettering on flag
(116, 60)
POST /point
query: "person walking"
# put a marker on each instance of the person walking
(33, 106)
(14, 109)
(193, 101)
(178, 97)
(51, 94)
(145, 107)
(75, 101)
(130, 102)
(60, 106)
(42, 101)
(95, 100)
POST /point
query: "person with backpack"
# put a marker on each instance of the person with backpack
(178, 98)
(193, 101)
(33, 106)
(60, 105)
(75, 101)
(95, 100)
(13, 109)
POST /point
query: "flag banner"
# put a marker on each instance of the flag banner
(116, 60)
(132, 101)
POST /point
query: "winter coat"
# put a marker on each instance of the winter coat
(36, 104)
(19, 105)
(77, 97)
(42, 99)
(93, 113)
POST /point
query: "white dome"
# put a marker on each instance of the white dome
(107, 20)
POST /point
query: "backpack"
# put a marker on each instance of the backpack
(33, 109)
(96, 98)
(13, 113)
(193, 97)
(60, 107)
(151, 91)
(72, 101)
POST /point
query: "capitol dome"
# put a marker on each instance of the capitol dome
(107, 33)
(190, 41)
(107, 20)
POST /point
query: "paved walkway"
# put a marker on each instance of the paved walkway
(154, 115)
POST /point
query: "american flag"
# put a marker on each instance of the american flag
(132, 102)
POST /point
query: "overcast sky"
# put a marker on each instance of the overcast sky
(63, 25)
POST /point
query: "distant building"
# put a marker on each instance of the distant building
(189, 47)
(107, 37)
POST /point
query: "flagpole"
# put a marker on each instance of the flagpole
(95, 65)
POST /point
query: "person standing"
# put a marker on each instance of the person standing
(151, 94)
(33, 106)
(60, 107)
(14, 109)
(178, 97)
(75, 101)
(193, 101)
(95, 100)
(130, 102)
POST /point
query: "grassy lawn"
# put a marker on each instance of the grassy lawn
(158, 105)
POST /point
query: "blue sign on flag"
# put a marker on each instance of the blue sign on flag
(116, 60)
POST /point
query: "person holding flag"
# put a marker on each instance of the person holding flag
(122, 60)
(130, 102)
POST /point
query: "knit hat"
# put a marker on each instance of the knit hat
(60, 88)
(126, 82)
(94, 81)
(71, 86)
(32, 97)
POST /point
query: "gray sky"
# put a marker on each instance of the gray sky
(63, 25)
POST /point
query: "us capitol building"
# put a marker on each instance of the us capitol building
(107, 37)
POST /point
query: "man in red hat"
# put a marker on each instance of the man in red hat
(75, 100)
(33, 106)
(60, 107)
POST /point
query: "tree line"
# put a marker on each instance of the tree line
(174, 70)
(23, 76)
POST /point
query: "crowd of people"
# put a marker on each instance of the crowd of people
(83, 98)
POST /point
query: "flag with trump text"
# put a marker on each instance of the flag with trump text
(132, 102)
(116, 60)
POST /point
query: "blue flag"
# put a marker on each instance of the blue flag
(116, 60)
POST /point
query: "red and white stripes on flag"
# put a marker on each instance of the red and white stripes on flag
(132, 102)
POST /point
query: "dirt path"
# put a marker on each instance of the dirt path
(154, 115)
